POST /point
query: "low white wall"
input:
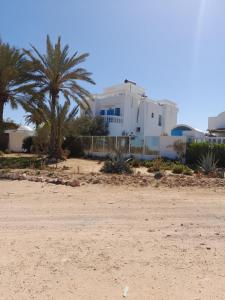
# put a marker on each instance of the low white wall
(166, 146)
(16, 139)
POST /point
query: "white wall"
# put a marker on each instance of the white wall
(170, 111)
(16, 139)
(166, 146)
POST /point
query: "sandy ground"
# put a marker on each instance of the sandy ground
(87, 166)
(91, 242)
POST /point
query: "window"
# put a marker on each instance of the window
(117, 111)
(110, 112)
(138, 129)
(102, 112)
(152, 115)
(160, 120)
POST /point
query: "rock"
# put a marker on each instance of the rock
(74, 183)
(96, 181)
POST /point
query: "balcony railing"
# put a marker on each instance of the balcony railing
(113, 119)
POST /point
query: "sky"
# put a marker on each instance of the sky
(175, 49)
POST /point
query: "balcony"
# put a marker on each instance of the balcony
(113, 119)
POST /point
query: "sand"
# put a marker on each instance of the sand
(90, 242)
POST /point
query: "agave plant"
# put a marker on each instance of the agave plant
(117, 164)
(208, 163)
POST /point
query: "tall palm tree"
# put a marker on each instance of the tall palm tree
(56, 75)
(13, 77)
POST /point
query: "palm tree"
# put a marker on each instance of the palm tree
(56, 74)
(39, 113)
(13, 77)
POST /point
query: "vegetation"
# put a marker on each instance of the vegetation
(117, 164)
(28, 144)
(9, 125)
(87, 126)
(82, 126)
(158, 175)
(208, 163)
(74, 145)
(195, 152)
(54, 76)
(4, 140)
(159, 164)
(180, 149)
(20, 162)
(13, 78)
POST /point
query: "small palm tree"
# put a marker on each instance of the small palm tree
(39, 113)
(56, 74)
(13, 77)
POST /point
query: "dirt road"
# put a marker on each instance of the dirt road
(90, 242)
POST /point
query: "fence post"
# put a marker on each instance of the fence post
(129, 144)
(103, 141)
(92, 144)
(116, 144)
(143, 150)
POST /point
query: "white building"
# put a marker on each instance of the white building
(17, 136)
(128, 111)
(187, 131)
(216, 125)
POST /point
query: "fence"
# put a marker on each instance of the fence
(144, 148)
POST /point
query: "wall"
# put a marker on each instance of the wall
(166, 146)
(170, 111)
(16, 139)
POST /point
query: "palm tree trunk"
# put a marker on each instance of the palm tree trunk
(1, 115)
(52, 146)
(58, 135)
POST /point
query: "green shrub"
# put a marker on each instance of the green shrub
(135, 163)
(20, 162)
(148, 163)
(74, 145)
(117, 164)
(187, 171)
(158, 175)
(28, 144)
(178, 169)
(195, 152)
(208, 163)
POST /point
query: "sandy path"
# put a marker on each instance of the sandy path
(58, 242)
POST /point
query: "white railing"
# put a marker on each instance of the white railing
(113, 119)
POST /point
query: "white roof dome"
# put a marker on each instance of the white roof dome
(25, 128)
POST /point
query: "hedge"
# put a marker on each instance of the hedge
(196, 150)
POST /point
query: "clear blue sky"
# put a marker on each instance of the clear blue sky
(173, 48)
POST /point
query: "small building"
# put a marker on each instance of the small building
(17, 136)
(187, 131)
(216, 125)
(129, 112)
